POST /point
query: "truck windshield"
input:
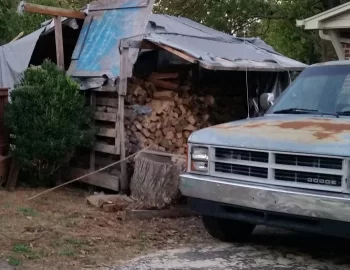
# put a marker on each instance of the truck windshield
(322, 89)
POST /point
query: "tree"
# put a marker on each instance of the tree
(273, 20)
(12, 23)
(49, 119)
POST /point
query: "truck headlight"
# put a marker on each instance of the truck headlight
(199, 166)
(199, 159)
(199, 153)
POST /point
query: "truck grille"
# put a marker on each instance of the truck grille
(308, 178)
(283, 169)
(305, 161)
(222, 153)
(241, 170)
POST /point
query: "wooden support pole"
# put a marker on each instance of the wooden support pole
(124, 185)
(53, 11)
(59, 42)
(92, 154)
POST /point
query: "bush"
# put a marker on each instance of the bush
(49, 118)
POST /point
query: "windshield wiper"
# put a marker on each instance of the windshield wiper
(344, 113)
(305, 111)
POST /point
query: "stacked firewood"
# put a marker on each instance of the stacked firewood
(174, 113)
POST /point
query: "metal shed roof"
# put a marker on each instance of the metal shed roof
(214, 49)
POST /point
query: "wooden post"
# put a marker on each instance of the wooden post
(92, 154)
(124, 185)
(59, 42)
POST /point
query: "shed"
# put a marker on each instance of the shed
(171, 57)
(333, 25)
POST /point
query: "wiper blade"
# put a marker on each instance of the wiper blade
(295, 110)
(344, 113)
(307, 111)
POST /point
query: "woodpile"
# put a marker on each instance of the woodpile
(174, 113)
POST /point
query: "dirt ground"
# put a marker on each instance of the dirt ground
(60, 231)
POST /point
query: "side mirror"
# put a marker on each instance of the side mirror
(267, 100)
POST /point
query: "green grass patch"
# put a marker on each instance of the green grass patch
(14, 261)
(28, 211)
(67, 252)
(21, 248)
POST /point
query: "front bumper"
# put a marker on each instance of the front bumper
(291, 201)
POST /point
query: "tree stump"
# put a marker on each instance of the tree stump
(156, 180)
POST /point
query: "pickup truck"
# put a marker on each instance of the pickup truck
(289, 168)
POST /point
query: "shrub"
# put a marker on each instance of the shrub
(49, 118)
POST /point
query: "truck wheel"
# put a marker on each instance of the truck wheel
(227, 230)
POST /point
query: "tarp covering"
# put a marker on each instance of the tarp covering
(15, 58)
(215, 49)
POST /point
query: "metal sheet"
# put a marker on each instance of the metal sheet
(217, 50)
(298, 134)
(97, 52)
(112, 4)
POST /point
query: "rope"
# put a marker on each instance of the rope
(86, 175)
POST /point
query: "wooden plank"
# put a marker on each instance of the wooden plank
(106, 132)
(92, 153)
(53, 11)
(162, 76)
(110, 117)
(182, 55)
(111, 102)
(164, 84)
(13, 175)
(103, 180)
(59, 42)
(106, 148)
(166, 213)
(120, 140)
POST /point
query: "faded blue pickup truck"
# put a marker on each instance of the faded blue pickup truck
(289, 168)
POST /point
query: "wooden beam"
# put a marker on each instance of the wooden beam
(59, 42)
(103, 180)
(53, 11)
(106, 148)
(92, 153)
(108, 117)
(106, 132)
(123, 81)
(182, 55)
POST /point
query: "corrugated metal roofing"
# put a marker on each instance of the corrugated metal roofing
(215, 49)
(96, 53)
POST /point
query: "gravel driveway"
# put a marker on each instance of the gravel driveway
(269, 249)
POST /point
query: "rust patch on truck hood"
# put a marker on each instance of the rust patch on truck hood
(282, 133)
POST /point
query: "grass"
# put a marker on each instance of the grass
(21, 248)
(28, 211)
(67, 252)
(14, 261)
(76, 242)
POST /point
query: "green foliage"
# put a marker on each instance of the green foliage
(49, 119)
(274, 21)
(12, 23)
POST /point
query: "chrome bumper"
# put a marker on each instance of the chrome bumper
(322, 205)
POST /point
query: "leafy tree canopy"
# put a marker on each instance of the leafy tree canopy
(272, 20)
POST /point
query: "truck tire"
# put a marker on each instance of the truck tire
(227, 230)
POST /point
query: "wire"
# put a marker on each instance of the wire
(246, 75)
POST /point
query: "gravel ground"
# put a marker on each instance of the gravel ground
(269, 249)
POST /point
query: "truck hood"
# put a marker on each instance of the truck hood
(292, 133)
